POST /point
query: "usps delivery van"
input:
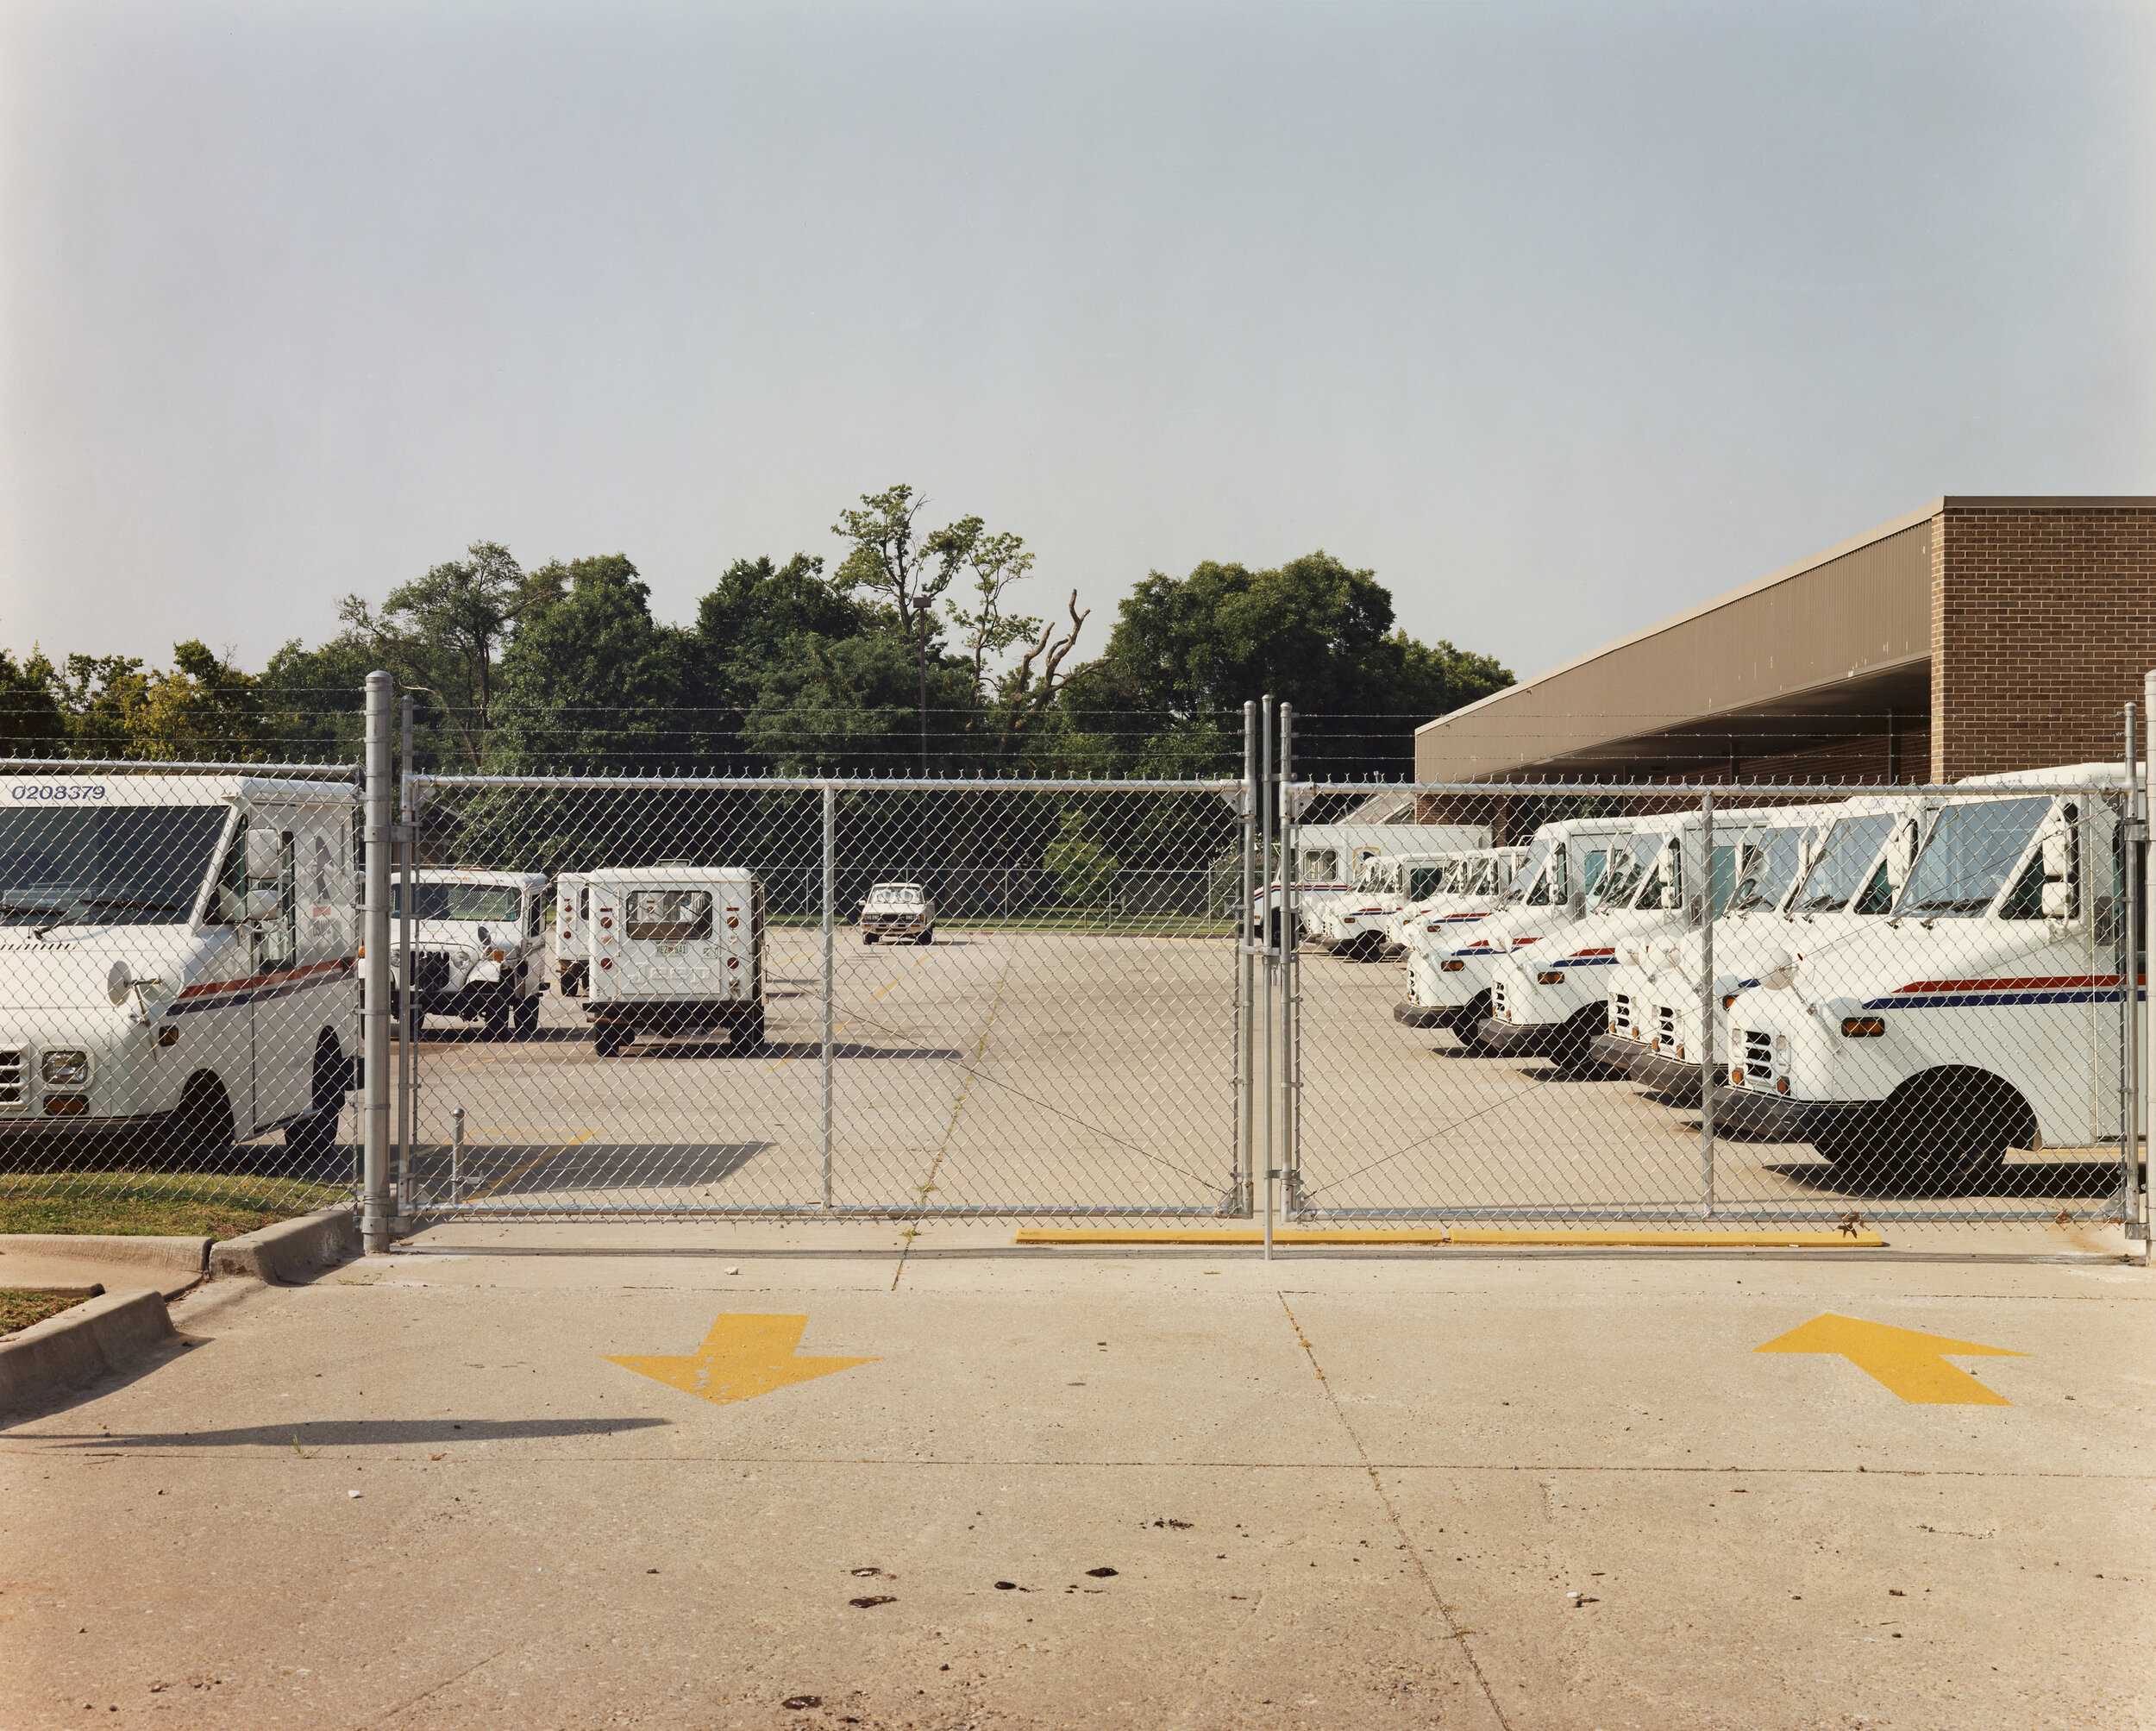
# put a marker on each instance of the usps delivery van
(1981, 1017)
(177, 955)
(676, 950)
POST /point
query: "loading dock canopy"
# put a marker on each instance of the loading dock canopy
(1801, 664)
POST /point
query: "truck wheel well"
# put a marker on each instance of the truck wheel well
(1978, 1111)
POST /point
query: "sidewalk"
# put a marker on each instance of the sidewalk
(1454, 1487)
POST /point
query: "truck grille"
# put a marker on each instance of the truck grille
(1759, 1055)
(1497, 999)
(1666, 1026)
(10, 1082)
(1620, 1015)
(429, 973)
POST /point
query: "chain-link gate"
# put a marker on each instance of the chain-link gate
(1729, 1004)
(744, 996)
(1256, 999)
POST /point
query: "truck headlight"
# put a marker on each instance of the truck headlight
(65, 1069)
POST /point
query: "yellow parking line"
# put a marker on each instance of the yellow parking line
(1449, 1235)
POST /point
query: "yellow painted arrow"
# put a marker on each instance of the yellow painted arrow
(1907, 1362)
(743, 1356)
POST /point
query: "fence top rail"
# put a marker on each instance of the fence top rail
(1722, 790)
(69, 766)
(432, 781)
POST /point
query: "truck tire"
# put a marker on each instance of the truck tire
(747, 1034)
(927, 936)
(609, 1038)
(1469, 1030)
(314, 1133)
(497, 1014)
(527, 1019)
(199, 1135)
(1950, 1128)
(867, 938)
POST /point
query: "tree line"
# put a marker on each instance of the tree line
(910, 656)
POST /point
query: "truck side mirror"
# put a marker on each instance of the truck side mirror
(264, 905)
(2062, 866)
(1575, 904)
(265, 855)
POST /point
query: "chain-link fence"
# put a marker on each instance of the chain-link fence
(652, 997)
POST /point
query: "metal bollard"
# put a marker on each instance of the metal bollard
(456, 1156)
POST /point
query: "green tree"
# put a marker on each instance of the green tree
(1084, 872)
(593, 679)
(31, 724)
(1313, 632)
(888, 562)
(443, 632)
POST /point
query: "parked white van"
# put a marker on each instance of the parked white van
(1982, 1016)
(674, 949)
(478, 948)
(1468, 887)
(1357, 926)
(571, 920)
(1449, 971)
(1328, 860)
(1802, 887)
(176, 963)
(1659, 885)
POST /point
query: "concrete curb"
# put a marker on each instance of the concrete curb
(291, 1249)
(176, 1255)
(79, 1345)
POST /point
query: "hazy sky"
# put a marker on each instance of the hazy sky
(1562, 318)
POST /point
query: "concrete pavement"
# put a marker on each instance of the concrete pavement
(1447, 1488)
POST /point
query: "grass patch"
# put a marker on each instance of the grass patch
(19, 1309)
(154, 1204)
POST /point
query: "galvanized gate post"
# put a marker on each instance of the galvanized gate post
(1290, 995)
(2148, 1022)
(1705, 1006)
(831, 908)
(2127, 962)
(374, 1194)
(1269, 921)
(407, 854)
(1245, 980)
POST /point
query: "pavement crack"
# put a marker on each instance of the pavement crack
(384, 1718)
(1392, 1517)
(958, 1107)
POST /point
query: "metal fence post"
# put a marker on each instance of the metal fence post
(374, 1196)
(831, 909)
(2148, 1022)
(408, 848)
(1269, 925)
(2129, 986)
(1707, 1005)
(1246, 977)
(1290, 993)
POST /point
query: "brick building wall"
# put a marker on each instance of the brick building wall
(2043, 623)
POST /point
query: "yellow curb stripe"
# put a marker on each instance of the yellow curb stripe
(1455, 1235)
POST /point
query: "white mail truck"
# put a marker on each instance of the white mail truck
(1554, 1000)
(478, 948)
(571, 918)
(676, 950)
(1982, 1016)
(1449, 971)
(176, 966)
(1800, 887)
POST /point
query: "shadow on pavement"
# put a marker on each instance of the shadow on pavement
(348, 1433)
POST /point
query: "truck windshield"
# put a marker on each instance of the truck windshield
(1843, 865)
(1972, 848)
(1424, 881)
(1770, 861)
(114, 865)
(1529, 888)
(489, 901)
(1630, 857)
